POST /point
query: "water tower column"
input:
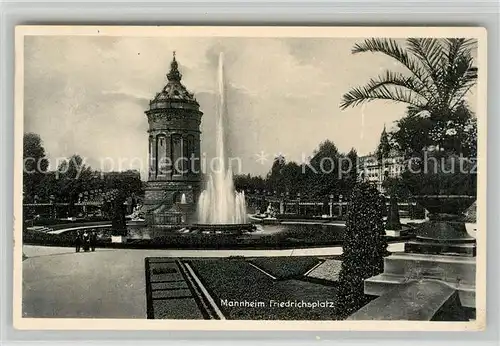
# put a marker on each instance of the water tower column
(174, 119)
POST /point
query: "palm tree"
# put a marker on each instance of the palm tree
(440, 73)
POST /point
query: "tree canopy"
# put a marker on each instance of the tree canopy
(35, 164)
(72, 178)
(327, 172)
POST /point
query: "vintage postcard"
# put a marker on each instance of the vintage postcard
(250, 178)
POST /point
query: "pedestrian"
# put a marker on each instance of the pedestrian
(93, 240)
(78, 241)
(86, 240)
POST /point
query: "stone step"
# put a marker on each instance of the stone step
(446, 268)
(384, 283)
(409, 301)
(423, 247)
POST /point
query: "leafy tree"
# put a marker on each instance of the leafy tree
(440, 74)
(72, 178)
(396, 187)
(127, 182)
(275, 176)
(316, 179)
(249, 183)
(350, 169)
(35, 165)
(292, 178)
(323, 177)
(364, 247)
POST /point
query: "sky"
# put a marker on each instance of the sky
(87, 95)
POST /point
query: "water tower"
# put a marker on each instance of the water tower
(174, 177)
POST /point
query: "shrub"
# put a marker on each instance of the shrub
(393, 222)
(364, 247)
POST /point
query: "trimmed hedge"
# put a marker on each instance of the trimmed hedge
(365, 246)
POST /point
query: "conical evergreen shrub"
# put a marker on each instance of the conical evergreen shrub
(364, 247)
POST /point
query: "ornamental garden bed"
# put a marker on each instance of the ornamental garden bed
(286, 267)
(243, 292)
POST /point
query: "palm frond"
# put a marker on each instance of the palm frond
(400, 80)
(359, 95)
(458, 47)
(460, 75)
(430, 52)
(392, 49)
(441, 70)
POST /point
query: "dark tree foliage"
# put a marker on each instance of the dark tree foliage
(35, 165)
(350, 166)
(364, 247)
(275, 178)
(441, 173)
(396, 187)
(323, 173)
(327, 172)
(73, 181)
(248, 183)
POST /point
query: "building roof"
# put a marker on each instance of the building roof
(174, 93)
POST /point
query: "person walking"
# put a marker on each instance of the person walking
(78, 241)
(93, 240)
(86, 240)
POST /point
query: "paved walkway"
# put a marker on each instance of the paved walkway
(109, 283)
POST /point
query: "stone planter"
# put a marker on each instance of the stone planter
(446, 219)
(446, 185)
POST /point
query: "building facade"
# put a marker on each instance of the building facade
(375, 170)
(174, 175)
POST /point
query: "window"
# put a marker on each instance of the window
(177, 154)
(161, 155)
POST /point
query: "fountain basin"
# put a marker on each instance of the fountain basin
(229, 228)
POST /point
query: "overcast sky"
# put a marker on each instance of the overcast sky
(87, 95)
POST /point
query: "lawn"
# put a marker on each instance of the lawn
(285, 267)
(235, 280)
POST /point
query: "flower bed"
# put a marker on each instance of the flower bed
(285, 267)
(233, 282)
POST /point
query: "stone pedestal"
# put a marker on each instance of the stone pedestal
(442, 252)
(118, 239)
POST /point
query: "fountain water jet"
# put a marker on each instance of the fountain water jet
(219, 203)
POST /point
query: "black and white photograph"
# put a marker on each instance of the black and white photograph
(258, 177)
